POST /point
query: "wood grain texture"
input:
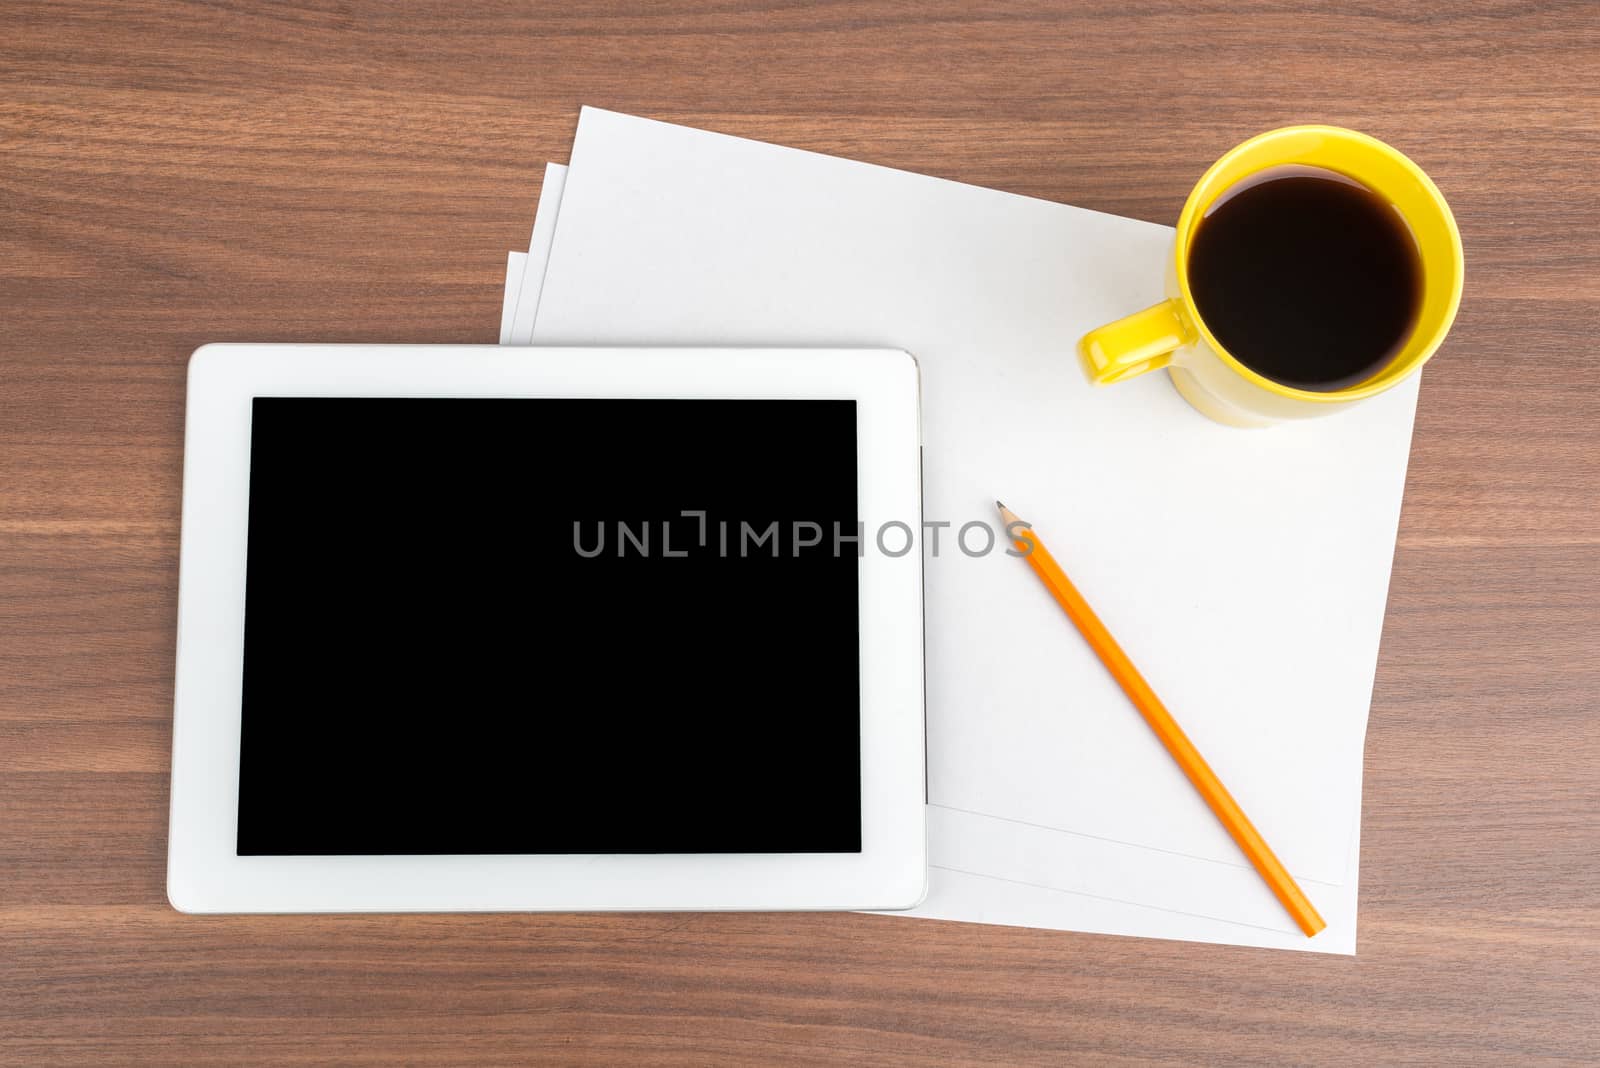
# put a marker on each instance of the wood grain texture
(173, 173)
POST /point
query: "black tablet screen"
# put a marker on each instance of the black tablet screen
(551, 626)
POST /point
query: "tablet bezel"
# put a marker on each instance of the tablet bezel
(204, 871)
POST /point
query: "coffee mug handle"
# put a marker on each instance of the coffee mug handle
(1143, 341)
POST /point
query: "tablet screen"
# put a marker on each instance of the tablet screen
(551, 626)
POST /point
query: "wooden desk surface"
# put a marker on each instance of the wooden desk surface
(176, 173)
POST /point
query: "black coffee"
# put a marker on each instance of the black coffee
(1307, 277)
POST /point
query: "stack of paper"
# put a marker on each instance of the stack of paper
(1245, 571)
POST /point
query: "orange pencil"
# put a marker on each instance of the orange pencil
(1155, 713)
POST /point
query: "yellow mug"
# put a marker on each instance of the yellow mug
(1173, 335)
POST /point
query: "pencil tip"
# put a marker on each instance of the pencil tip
(1000, 506)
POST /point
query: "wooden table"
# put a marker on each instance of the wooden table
(176, 173)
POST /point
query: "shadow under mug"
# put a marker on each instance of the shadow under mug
(1173, 334)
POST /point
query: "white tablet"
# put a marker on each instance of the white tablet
(470, 627)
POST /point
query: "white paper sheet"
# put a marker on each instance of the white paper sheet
(970, 898)
(544, 229)
(1006, 896)
(516, 267)
(1026, 849)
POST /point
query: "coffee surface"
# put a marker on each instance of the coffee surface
(1306, 277)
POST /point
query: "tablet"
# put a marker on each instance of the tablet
(474, 628)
